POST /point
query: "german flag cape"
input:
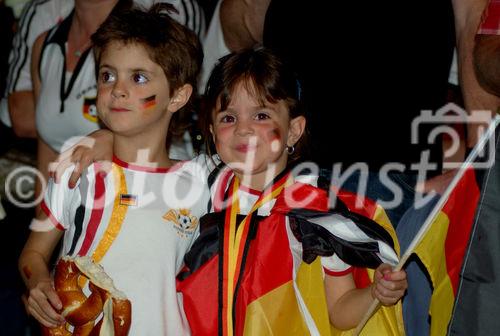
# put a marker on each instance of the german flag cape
(257, 274)
(387, 321)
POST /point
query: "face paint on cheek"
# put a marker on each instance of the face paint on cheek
(275, 138)
(149, 102)
(27, 272)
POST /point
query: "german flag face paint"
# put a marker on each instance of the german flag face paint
(149, 102)
(275, 138)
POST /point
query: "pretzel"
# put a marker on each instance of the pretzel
(81, 311)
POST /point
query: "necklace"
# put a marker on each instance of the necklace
(79, 52)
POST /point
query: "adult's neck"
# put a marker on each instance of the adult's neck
(141, 150)
(90, 14)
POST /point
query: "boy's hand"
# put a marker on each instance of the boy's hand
(41, 303)
(388, 286)
(97, 146)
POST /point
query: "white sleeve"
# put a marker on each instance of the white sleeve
(190, 14)
(58, 199)
(214, 47)
(334, 266)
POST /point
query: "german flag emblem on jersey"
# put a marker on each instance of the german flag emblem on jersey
(90, 109)
(128, 199)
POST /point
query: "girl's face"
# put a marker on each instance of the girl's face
(132, 90)
(251, 138)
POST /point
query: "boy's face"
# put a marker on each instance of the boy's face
(132, 90)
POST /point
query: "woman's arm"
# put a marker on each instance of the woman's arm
(45, 155)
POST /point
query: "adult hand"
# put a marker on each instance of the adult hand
(97, 146)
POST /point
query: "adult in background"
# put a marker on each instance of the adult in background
(364, 93)
(477, 299)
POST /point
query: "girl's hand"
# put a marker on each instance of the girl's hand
(43, 302)
(97, 146)
(388, 286)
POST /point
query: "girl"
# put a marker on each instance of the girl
(242, 274)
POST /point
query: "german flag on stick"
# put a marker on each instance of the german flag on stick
(441, 241)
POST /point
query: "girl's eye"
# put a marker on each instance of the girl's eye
(107, 77)
(139, 78)
(262, 116)
(227, 119)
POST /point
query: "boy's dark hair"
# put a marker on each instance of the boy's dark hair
(272, 80)
(168, 43)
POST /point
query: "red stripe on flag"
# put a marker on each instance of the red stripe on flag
(460, 209)
(367, 209)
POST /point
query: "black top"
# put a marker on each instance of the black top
(367, 69)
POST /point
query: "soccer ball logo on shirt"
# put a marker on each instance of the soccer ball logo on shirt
(184, 222)
(90, 109)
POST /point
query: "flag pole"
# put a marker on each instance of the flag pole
(432, 216)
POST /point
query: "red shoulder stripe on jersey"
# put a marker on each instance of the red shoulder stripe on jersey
(53, 219)
(96, 214)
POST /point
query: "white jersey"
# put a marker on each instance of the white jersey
(137, 223)
(39, 16)
(214, 47)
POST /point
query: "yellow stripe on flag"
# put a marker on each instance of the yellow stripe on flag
(431, 252)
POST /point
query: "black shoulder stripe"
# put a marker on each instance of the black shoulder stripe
(45, 43)
(186, 14)
(212, 177)
(192, 17)
(24, 58)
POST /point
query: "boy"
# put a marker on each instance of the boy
(147, 66)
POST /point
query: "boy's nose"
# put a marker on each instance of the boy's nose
(119, 90)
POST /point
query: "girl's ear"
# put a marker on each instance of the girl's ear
(211, 128)
(180, 98)
(296, 129)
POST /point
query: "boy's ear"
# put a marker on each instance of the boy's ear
(296, 129)
(180, 98)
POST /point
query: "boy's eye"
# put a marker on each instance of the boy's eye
(261, 116)
(139, 78)
(227, 119)
(107, 77)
